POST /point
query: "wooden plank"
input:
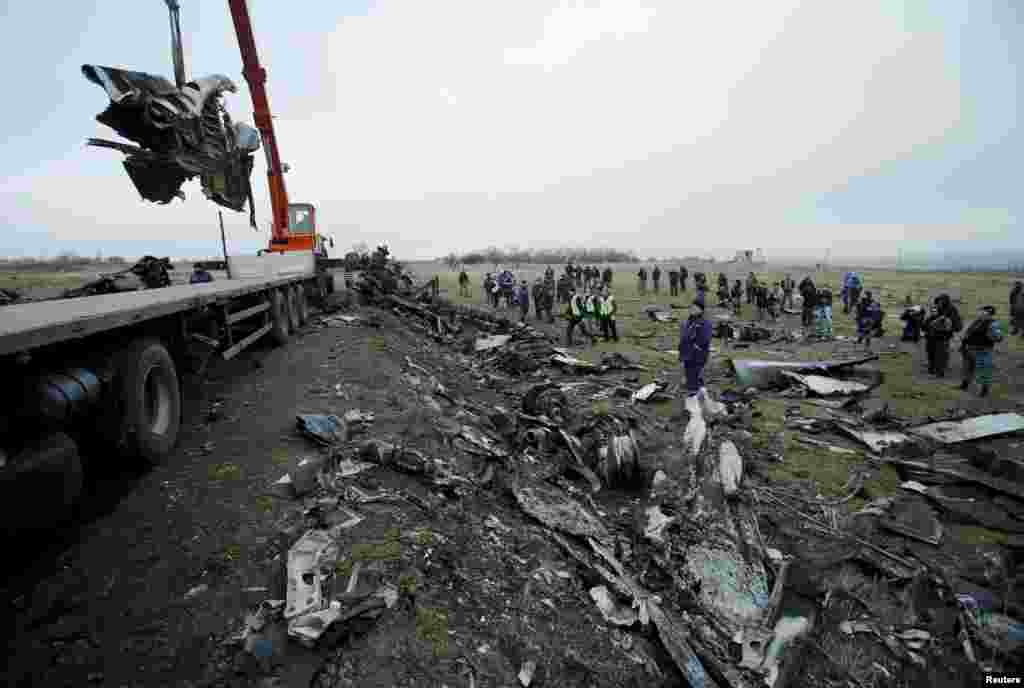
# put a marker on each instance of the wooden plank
(29, 325)
(248, 312)
(237, 348)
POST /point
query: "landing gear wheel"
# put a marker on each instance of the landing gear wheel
(301, 303)
(293, 307)
(146, 382)
(279, 331)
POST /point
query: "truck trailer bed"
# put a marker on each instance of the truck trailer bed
(29, 325)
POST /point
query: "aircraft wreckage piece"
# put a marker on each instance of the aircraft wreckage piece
(768, 374)
(181, 133)
(826, 386)
(951, 432)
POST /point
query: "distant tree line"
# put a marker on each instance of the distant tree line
(557, 256)
(66, 261)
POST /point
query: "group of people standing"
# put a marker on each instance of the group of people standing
(676, 279)
(592, 310)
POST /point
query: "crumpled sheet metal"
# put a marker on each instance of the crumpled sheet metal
(611, 610)
(951, 432)
(876, 441)
(826, 386)
(767, 374)
(557, 510)
(310, 567)
(734, 587)
(181, 134)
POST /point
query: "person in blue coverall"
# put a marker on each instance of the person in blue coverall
(694, 347)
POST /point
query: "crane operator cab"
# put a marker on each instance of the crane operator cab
(302, 235)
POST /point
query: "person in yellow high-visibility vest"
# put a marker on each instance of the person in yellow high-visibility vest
(608, 310)
(576, 313)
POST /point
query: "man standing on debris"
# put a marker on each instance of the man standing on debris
(683, 274)
(463, 283)
(853, 285)
(576, 311)
(608, 310)
(869, 319)
(737, 297)
(522, 298)
(788, 285)
(938, 330)
(1017, 308)
(656, 278)
(694, 347)
(823, 314)
(673, 283)
(977, 347)
(808, 294)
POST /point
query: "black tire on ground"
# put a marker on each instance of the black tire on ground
(279, 330)
(303, 301)
(293, 307)
(146, 383)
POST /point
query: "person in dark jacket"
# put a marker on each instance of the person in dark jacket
(673, 283)
(200, 276)
(694, 347)
(938, 330)
(656, 278)
(788, 286)
(607, 278)
(1017, 308)
(809, 294)
(683, 274)
(869, 319)
(913, 323)
(642, 280)
(737, 296)
(522, 299)
(977, 347)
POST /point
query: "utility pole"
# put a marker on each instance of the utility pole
(224, 243)
(177, 50)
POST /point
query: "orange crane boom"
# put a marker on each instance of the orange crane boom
(294, 225)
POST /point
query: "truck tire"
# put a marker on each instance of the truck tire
(46, 473)
(279, 330)
(146, 383)
(293, 307)
(302, 301)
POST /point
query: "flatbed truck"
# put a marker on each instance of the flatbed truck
(102, 375)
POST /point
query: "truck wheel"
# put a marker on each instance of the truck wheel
(293, 307)
(278, 318)
(147, 383)
(301, 300)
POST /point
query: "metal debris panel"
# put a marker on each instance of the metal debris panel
(951, 432)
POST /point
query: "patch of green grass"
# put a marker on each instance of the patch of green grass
(389, 549)
(432, 627)
(407, 584)
(377, 344)
(423, 537)
(976, 535)
(830, 471)
(232, 552)
(11, 279)
(264, 504)
(343, 567)
(602, 407)
(225, 471)
(280, 456)
(914, 398)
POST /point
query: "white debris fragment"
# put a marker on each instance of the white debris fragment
(730, 465)
(711, 408)
(526, 673)
(645, 392)
(308, 559)
(198, 590)
(610, 610)
(657, 521)
(696, 429)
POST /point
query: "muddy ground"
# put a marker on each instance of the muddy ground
(160, 566)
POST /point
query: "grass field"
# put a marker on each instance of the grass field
(907, 387)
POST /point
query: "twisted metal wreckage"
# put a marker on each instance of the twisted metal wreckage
(182, 131)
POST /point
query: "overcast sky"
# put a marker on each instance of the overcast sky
(667, 127)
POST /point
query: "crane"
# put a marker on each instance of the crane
(293, 225)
